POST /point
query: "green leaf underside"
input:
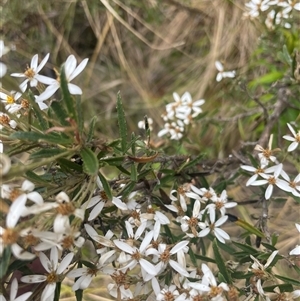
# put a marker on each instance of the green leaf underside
(90, 162)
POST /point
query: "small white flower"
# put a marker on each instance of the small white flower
(272, 180)
(266, 154)
(163, 255)
(14, 291)
(31, 74)
(71, 72)
(223, 74)
(209, 285)
(85, 275)
(213, 226)
(136, 256)
(55, 273)
(295, 140)
(98, 201)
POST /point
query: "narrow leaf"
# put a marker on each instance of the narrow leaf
(288, 280)
(91, 129)
(251, 229)
(90, 162)
(4, 262)
(105, 185)
(46, 153)
(221, 264)
(60, 112)
(122, 123)
(67, 98)
(133, 174)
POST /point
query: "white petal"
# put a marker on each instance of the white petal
(219, 66)
(3, 69)
(106, 256)
(45, 261)
(34, 62)
(77, 273)
(23, 297)
(20, 253)
(79, 69)
(74, 90)
(124, 246)
(96, 211)
(293, 146)
(43, 63)
(270, 259)
(35, 197)
(48, 292)
(179, 246)
(33, 279)
(70, 65)
(50, 90)
(269, 192)
(65, 263)
(121, 205)
(15, 211)
(14, 289)
(146, 241)
(178, 268)
(148, 267)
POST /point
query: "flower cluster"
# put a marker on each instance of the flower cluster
(273, 175)
(277, 11)
(179, 114)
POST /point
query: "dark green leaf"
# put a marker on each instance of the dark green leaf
(37, 137)
(192, 257)
(204, 258)
(133, 174)
(4, 261)
(90, 162)
(90, 135)
(127, 189)
(67, 165)
(245, 248)
(36, 178)
(288, 280)
(67, 98)
(46, 153)
(60, 112)
(122, 123)
(105, 185)
(220, 263)
(57, 291)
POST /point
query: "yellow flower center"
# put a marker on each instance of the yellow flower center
(29, 73)
(52, 277)
(10, 99)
